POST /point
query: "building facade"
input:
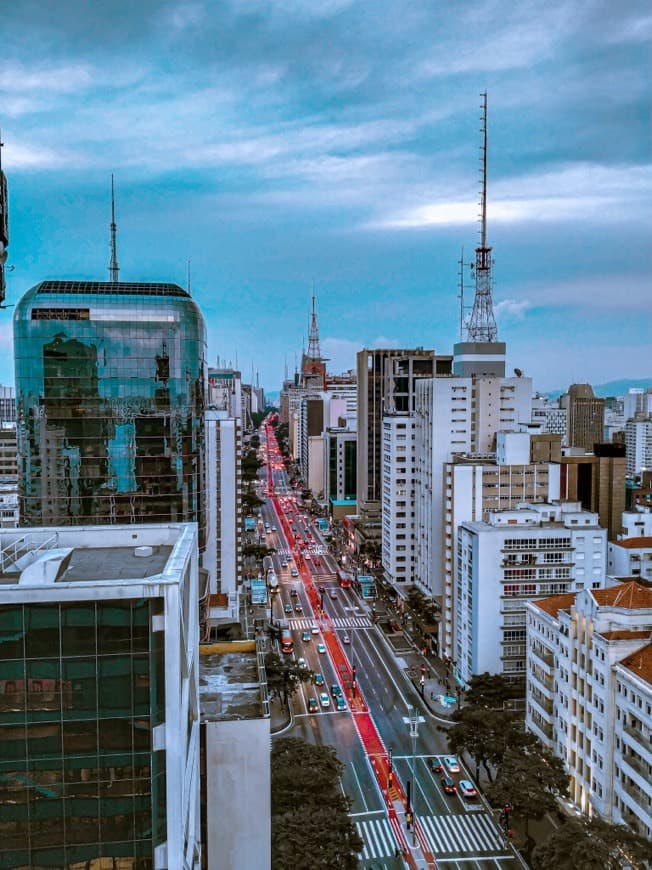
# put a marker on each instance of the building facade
(99, 697)
(589, 696)
(398, 499)
(638, 445)
(110, 400)
(586, 416)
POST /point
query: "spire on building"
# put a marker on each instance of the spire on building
(481, 326)
(314, 351)
(4, 227)
(113, 265)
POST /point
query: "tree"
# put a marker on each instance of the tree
(284, 676)
(310, 815)
(590, 844)
(489, 690)
(529, 779)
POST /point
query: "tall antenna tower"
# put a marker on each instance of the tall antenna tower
(113, 265)
(4, 227)
(314, 351)
(482, 323)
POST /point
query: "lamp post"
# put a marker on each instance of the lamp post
(413, 720)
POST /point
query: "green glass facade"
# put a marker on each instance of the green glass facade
(81, 688)
(110, 400)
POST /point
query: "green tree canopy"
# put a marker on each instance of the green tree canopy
(489, 690)
(284, 676)
(590, 844)
(311, 826)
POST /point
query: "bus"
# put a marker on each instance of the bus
(272, 582)
(258, 591)
(287, 643)
(344, 579)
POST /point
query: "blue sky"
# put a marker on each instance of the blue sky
(277, 143)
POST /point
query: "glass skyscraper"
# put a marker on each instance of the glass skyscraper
(110, 400)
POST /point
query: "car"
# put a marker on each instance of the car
(435, 765)
(294, 572)
(302, 662)
(324, 700)
(447, 784)
(333, 593)
(284, 564)
(346, 639)
(273, 528)
(314, 629)
(288, 608)
(317, 563)
(451, 764)
(313, 706)
(318, 679)
(305, 637)
(467, 789)
(340, 703)
(293, 593)
(321, 648)
(298, 607)
(336, 690)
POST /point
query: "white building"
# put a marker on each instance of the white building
(398, 499)
(638, 445)
(589, 696)
(223, 556)
(549, 415)
(455, 415)
(637, 523)
(518, 556)
(637, 402)
(99, 646)
(630, 557)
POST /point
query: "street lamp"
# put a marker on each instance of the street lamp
(413, 720)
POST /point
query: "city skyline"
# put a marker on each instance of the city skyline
(274, 146)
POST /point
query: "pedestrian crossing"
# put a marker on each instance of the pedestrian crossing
(378, 838)
(473, 832)
(302, 623)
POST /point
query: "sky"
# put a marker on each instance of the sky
(281, 146)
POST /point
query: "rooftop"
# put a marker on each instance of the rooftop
(229, 684)
(624, 634)
(555, 603)
(643, 542)
(640, 663)
(111, 288)
(629, 596)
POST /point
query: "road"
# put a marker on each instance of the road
(460, 833)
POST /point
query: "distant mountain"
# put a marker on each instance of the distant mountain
(611, 388)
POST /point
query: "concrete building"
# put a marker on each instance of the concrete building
(8, 454)
(518, 556)
(7, 406)
(586, 414)
(550, 416)
(637, 523)
(340, 446)
(630, 557)
(99, 701)
(225, 391)
(589, 696)
(474, 487)
(637, 403)
(223, 555)
(460, 415)
(597, 480)
(110, 380)
(398, 540)
(638, 445)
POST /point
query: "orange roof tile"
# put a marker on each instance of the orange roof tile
(629, 596)
(624, 634)
(640, 663)
(641, 543)
(555, 603)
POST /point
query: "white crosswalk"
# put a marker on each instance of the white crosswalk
(473, 832)
(378, 838)
(338, 622)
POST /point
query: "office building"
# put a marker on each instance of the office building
(517, 556)
(589, 696)
(99, 697)
(110, 400)
(8, 454)
(638, 445)
(597, 480)
(225, 390)
(7, 406)
(340, 447)
(586, 415)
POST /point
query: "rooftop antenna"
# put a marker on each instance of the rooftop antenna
(314, 351)
(188, 278)
(113, 265)
(463, 309)
(4, 227)
(482, 323)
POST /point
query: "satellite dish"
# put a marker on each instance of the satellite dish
(518, 373)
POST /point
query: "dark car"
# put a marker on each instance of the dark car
(313, 706)
(336, 690)
(435, 765)
(448, 785)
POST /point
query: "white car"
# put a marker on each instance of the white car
(324, 700)
(451, 764)
(314, 629)
(302, 662)
(467, 789)
(321, 648)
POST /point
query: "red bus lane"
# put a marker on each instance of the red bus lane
(365, 726)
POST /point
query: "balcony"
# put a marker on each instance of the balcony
(639, 765)
(543, 655)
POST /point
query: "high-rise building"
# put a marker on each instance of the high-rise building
(99, 697)
(589, 696)
(597, 480)
(110, 400)
(7, 405)
(638, 445)
(586, 415)
(519, 555)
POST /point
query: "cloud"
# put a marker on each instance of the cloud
(512, 308)
(617, 291)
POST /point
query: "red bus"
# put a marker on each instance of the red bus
(344, 578)
(287, 644)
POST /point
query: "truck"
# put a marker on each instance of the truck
(287, 642)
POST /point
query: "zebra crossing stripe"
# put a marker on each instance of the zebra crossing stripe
(378, 838)
(463, 833)
(466, 833)
(486, 824)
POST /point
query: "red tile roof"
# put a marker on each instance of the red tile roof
(640, 663)
(555, 603)
(630, 596)
(624, 634)
(642, 543)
